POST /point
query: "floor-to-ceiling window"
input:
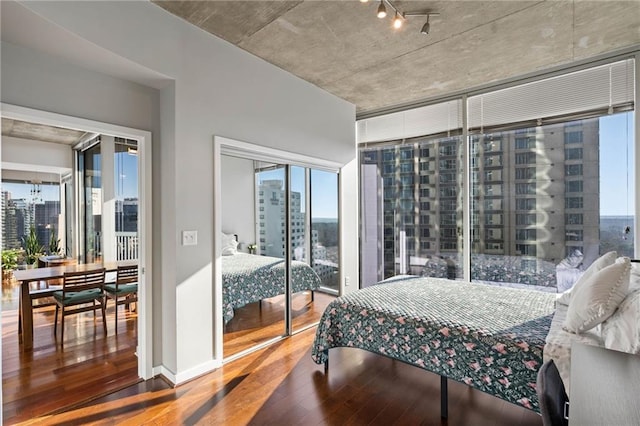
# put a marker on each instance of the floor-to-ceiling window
(542, 184)
(548, 197)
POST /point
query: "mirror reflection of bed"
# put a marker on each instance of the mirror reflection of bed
(254, 229)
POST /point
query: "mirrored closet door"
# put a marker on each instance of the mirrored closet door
(253, 253)
(279, 249)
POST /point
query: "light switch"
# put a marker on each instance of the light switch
(189, 238)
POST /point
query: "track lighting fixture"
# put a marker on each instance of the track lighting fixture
(382, 11)
(399, 17)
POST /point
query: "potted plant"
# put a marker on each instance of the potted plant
(32, 247)
(54, 243)
(9, 262)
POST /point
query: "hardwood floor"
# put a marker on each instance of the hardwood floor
(94, 381)
(281, 385)
(49, 378)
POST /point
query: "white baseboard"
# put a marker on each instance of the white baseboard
(185, 376)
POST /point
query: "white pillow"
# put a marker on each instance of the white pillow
(598, 297)
(601, 262)
(621, 331)
(229, 245)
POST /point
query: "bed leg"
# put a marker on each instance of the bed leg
(443, 398)
(312, 294)
(326, 367)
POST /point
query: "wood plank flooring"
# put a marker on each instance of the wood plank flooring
(49, 378)
(281, 385)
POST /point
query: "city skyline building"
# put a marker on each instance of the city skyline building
(271, 229)
(534, 197)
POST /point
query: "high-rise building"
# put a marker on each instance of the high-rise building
(17, 217)
(46, 220)
(534, 195)
(127, 215)
(271, 202)
(271, 227)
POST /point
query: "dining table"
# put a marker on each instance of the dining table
(27, 276)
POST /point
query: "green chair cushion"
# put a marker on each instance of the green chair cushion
(122, 289)
(77, 297)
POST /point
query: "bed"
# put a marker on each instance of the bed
(476, 334)
(248, 278)
(488, 337)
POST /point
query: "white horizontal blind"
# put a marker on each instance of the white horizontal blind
(581, 91)
(427, 120)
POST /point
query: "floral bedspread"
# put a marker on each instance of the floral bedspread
(489, 337)
(249, 278)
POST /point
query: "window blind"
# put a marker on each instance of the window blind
(426, 120)
(600, 88)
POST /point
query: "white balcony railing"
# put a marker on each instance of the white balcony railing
(126, 245)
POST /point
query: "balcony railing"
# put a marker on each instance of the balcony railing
(126, 245)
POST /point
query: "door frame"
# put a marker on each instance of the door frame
(144, 349)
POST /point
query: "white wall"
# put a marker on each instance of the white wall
(238, 198)
(218, 90)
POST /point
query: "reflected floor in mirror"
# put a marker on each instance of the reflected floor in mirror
(258, 322)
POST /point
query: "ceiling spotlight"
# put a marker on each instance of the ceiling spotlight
(382, 11)
(397, 21)
(364, 1)
(426, 27)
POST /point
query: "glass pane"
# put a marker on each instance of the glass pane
(412, 209)
(27, 206)
(549, 200)
(92, 177)
(324, 228)
(126, 191)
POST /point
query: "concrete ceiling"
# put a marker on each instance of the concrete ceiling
(41, 132)
(343, 48)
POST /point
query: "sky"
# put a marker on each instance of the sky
(616, 165)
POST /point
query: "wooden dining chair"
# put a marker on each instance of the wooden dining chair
(80, 292)
(125, 290)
